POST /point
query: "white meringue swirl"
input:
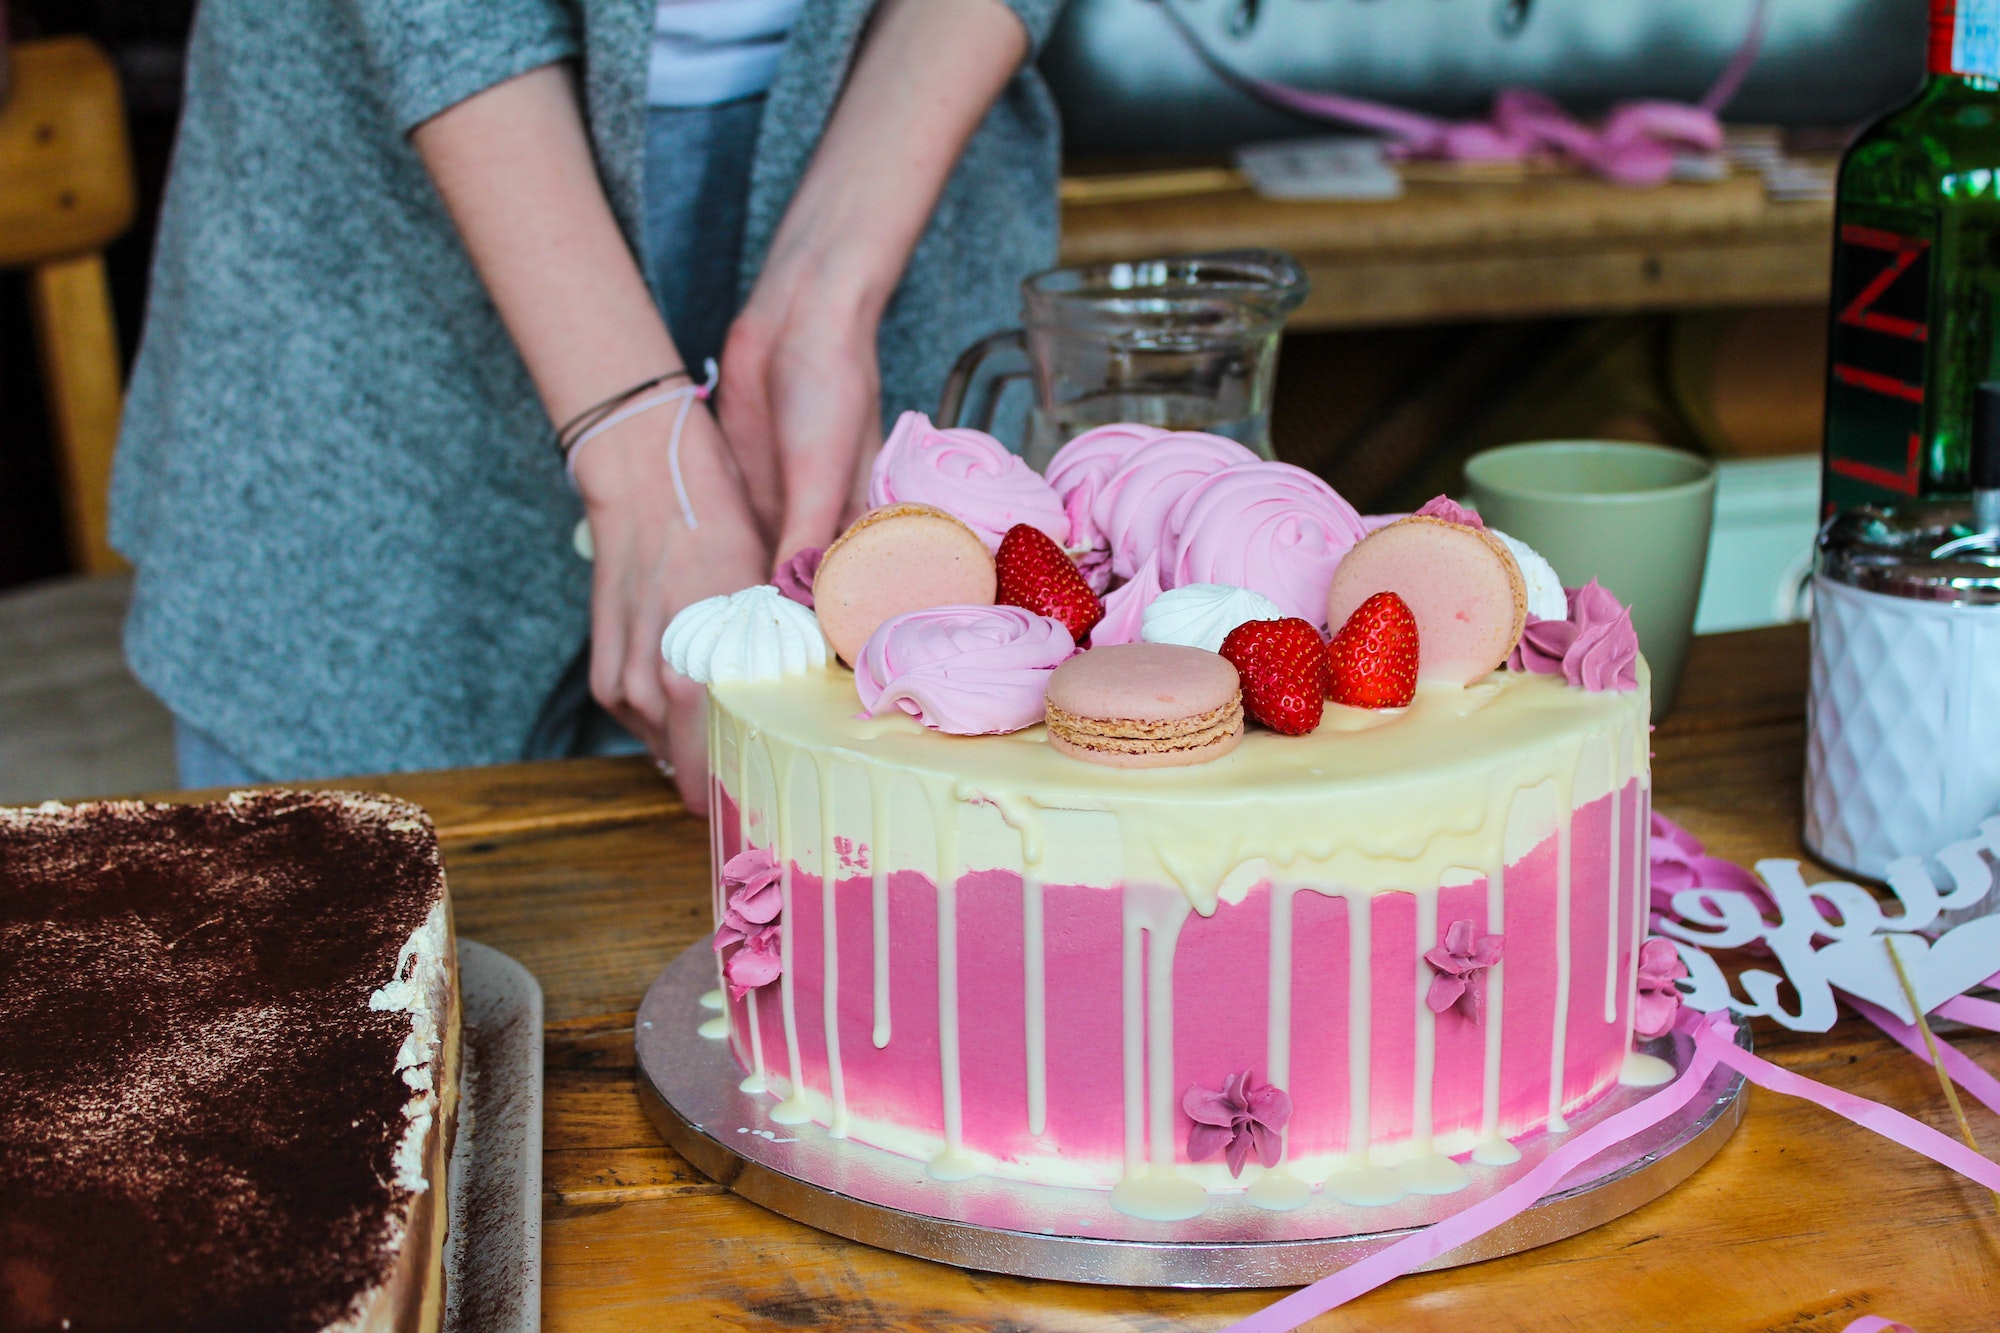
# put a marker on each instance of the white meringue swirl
(1200, 615)
(1546, 598)
(756, 634)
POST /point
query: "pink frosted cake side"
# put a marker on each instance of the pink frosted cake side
(1027, 966)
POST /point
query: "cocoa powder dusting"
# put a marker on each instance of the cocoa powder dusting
(198, 1110)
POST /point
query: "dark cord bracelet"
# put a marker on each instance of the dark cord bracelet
(567, 437)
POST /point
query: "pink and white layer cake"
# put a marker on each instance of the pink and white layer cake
(1023, 895)
(1022, 962)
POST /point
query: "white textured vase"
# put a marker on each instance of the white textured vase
(1903, 751)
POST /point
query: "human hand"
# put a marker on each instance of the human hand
(650, 564)
(800, 388)
(800, 402)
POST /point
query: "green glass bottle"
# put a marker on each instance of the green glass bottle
(1915, 325)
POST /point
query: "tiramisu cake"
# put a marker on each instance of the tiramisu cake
(1173, 830)
(229, 1045)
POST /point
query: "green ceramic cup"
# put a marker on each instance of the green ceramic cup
(1635, 517)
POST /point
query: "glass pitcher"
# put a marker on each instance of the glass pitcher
(1188, 343)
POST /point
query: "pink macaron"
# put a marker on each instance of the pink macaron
(1145, 705)
(1460, 583)
(901, 557)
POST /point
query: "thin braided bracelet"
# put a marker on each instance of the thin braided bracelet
(573, 430)
(687, 395)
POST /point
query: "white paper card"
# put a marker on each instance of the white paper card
(1338, 167)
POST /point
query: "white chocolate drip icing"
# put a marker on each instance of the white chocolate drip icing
(1559, 1034)
(953, 1162)
(1615, 869)
(1494, 1007)
(796, 1108)
(829, 883)
(1460, 785)
(1034, 981)
(1423, 1109)
(878, 869)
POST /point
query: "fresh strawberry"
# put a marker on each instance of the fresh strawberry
(1372, 662)
(1283, 666)
(1039, 576)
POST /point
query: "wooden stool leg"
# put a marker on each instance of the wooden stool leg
(80, 377)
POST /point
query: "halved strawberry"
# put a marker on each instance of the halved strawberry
(1037, 575)
(1372, 662)
(1283, 667)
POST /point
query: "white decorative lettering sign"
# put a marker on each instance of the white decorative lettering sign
(1857, 935)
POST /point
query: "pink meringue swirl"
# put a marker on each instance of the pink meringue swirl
(966, 670)
(1269, 527)
(1125, 607)
(1097, 453)
(968, 474)
(1129, 512)
(1078, 473)
(1595, 648)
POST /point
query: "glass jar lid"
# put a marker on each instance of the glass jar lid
(1929, 551)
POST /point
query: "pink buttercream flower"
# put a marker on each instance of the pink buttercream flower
(1659, 999)
(756, 899)
(1596, 648)
(1129, 512)
(1457, 960)
(1269, 527)
(757, 961)
(1245, 1116)
(968, 474)
(966, 670)
(794, 578)
(1451, 511)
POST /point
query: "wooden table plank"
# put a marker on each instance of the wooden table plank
(1547, 245)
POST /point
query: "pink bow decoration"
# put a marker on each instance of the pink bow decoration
(1244, 1116)
(750, 921)
(1679, 862)
(1458, 959)
(1637, 144)
(1659, 1000)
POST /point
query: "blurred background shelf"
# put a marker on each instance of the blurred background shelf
(1545, 246)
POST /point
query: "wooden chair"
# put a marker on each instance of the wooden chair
(73, 721)
(66, 191)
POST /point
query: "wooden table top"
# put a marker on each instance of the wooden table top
(591, 874)
(1453, 250)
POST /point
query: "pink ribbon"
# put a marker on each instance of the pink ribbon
(1635, 145)
(1957, 1063)
(1714, 1044)
(1975, 1013)
(1469, 1223)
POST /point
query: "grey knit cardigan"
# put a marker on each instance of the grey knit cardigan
(352, 538)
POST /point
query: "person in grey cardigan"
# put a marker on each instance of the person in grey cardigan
(403, 237)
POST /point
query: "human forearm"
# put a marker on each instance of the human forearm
(927, 72)
(514, 167)
(800, 388)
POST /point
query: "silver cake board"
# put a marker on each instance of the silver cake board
(493, 1243)
(688, 1086)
